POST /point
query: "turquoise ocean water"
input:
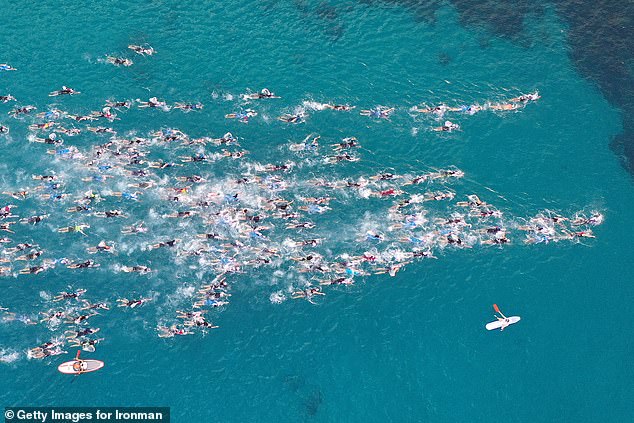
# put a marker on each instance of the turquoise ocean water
(408, 348)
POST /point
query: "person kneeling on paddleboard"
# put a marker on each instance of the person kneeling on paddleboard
(78, 365)
(503, 321)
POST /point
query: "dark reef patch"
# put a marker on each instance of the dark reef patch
(601, 37)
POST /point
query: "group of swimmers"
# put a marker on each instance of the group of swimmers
(258, 216)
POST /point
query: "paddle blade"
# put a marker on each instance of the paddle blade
(78, 353)
(496, 308)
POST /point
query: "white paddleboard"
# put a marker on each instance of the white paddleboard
(498, 324)
(87, 366)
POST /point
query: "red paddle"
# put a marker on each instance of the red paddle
(497, 309)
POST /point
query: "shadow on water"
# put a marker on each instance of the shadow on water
(601, 37)
(308, 395)
(323, 16)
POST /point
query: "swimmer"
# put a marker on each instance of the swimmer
(51, 139)
(69, 295)
(5, 67)
(34, 270)
(346, 143)
(211, 235)
(6, 98)
(503, 106)
(310, 143)
(265, 93)
(4, 129)
(201, 323)
(88, 264)
(64, 91)
(340, 107)
(85, 344)
(143, 51)
(5, 212)
(77, 228)
(307, 293)
(101, 130)
(182, 214)
(525, 98)
(170, 243)
(72, 334)
(579, 234)
(119, 61)
(134, 196)
(163, 165)
(196, 158)
(499, 238)
(33, 220)
(380, 112)
(137, 228)
(226, 139)
(101, 247)
(392, 269)
(46, 350)
(20, 247)
(124, 302)
(136, 269)
(338, 281)
(7, 226)
(296, 118)
(109, 213)
(118, 104)
(446, 173)
(193, 178)
(79, 118)
(439, 110)
(448, 126)
(45, 178)
(82, 318)
(344, 157)
(187, 107)
(242, 116)
(234, 154)
(32, 255)
(385, 177)
(96, 306)
(71, 132)
(143, 185)
(18, 195)
(474, 201)
(594, 220)
(210, 302)
(78, 209)
(22, 110)
(170, 332)
(105, 113)
(42, 126)
(153, 102)
(190, 314)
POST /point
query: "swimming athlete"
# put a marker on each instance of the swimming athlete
(448, 126)
(119, 61)
(265, 93)
(64, 91)
(77, 228)
(381, 112)
(143, 51)
(188, 106)
(124, 302)
(296, 118)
